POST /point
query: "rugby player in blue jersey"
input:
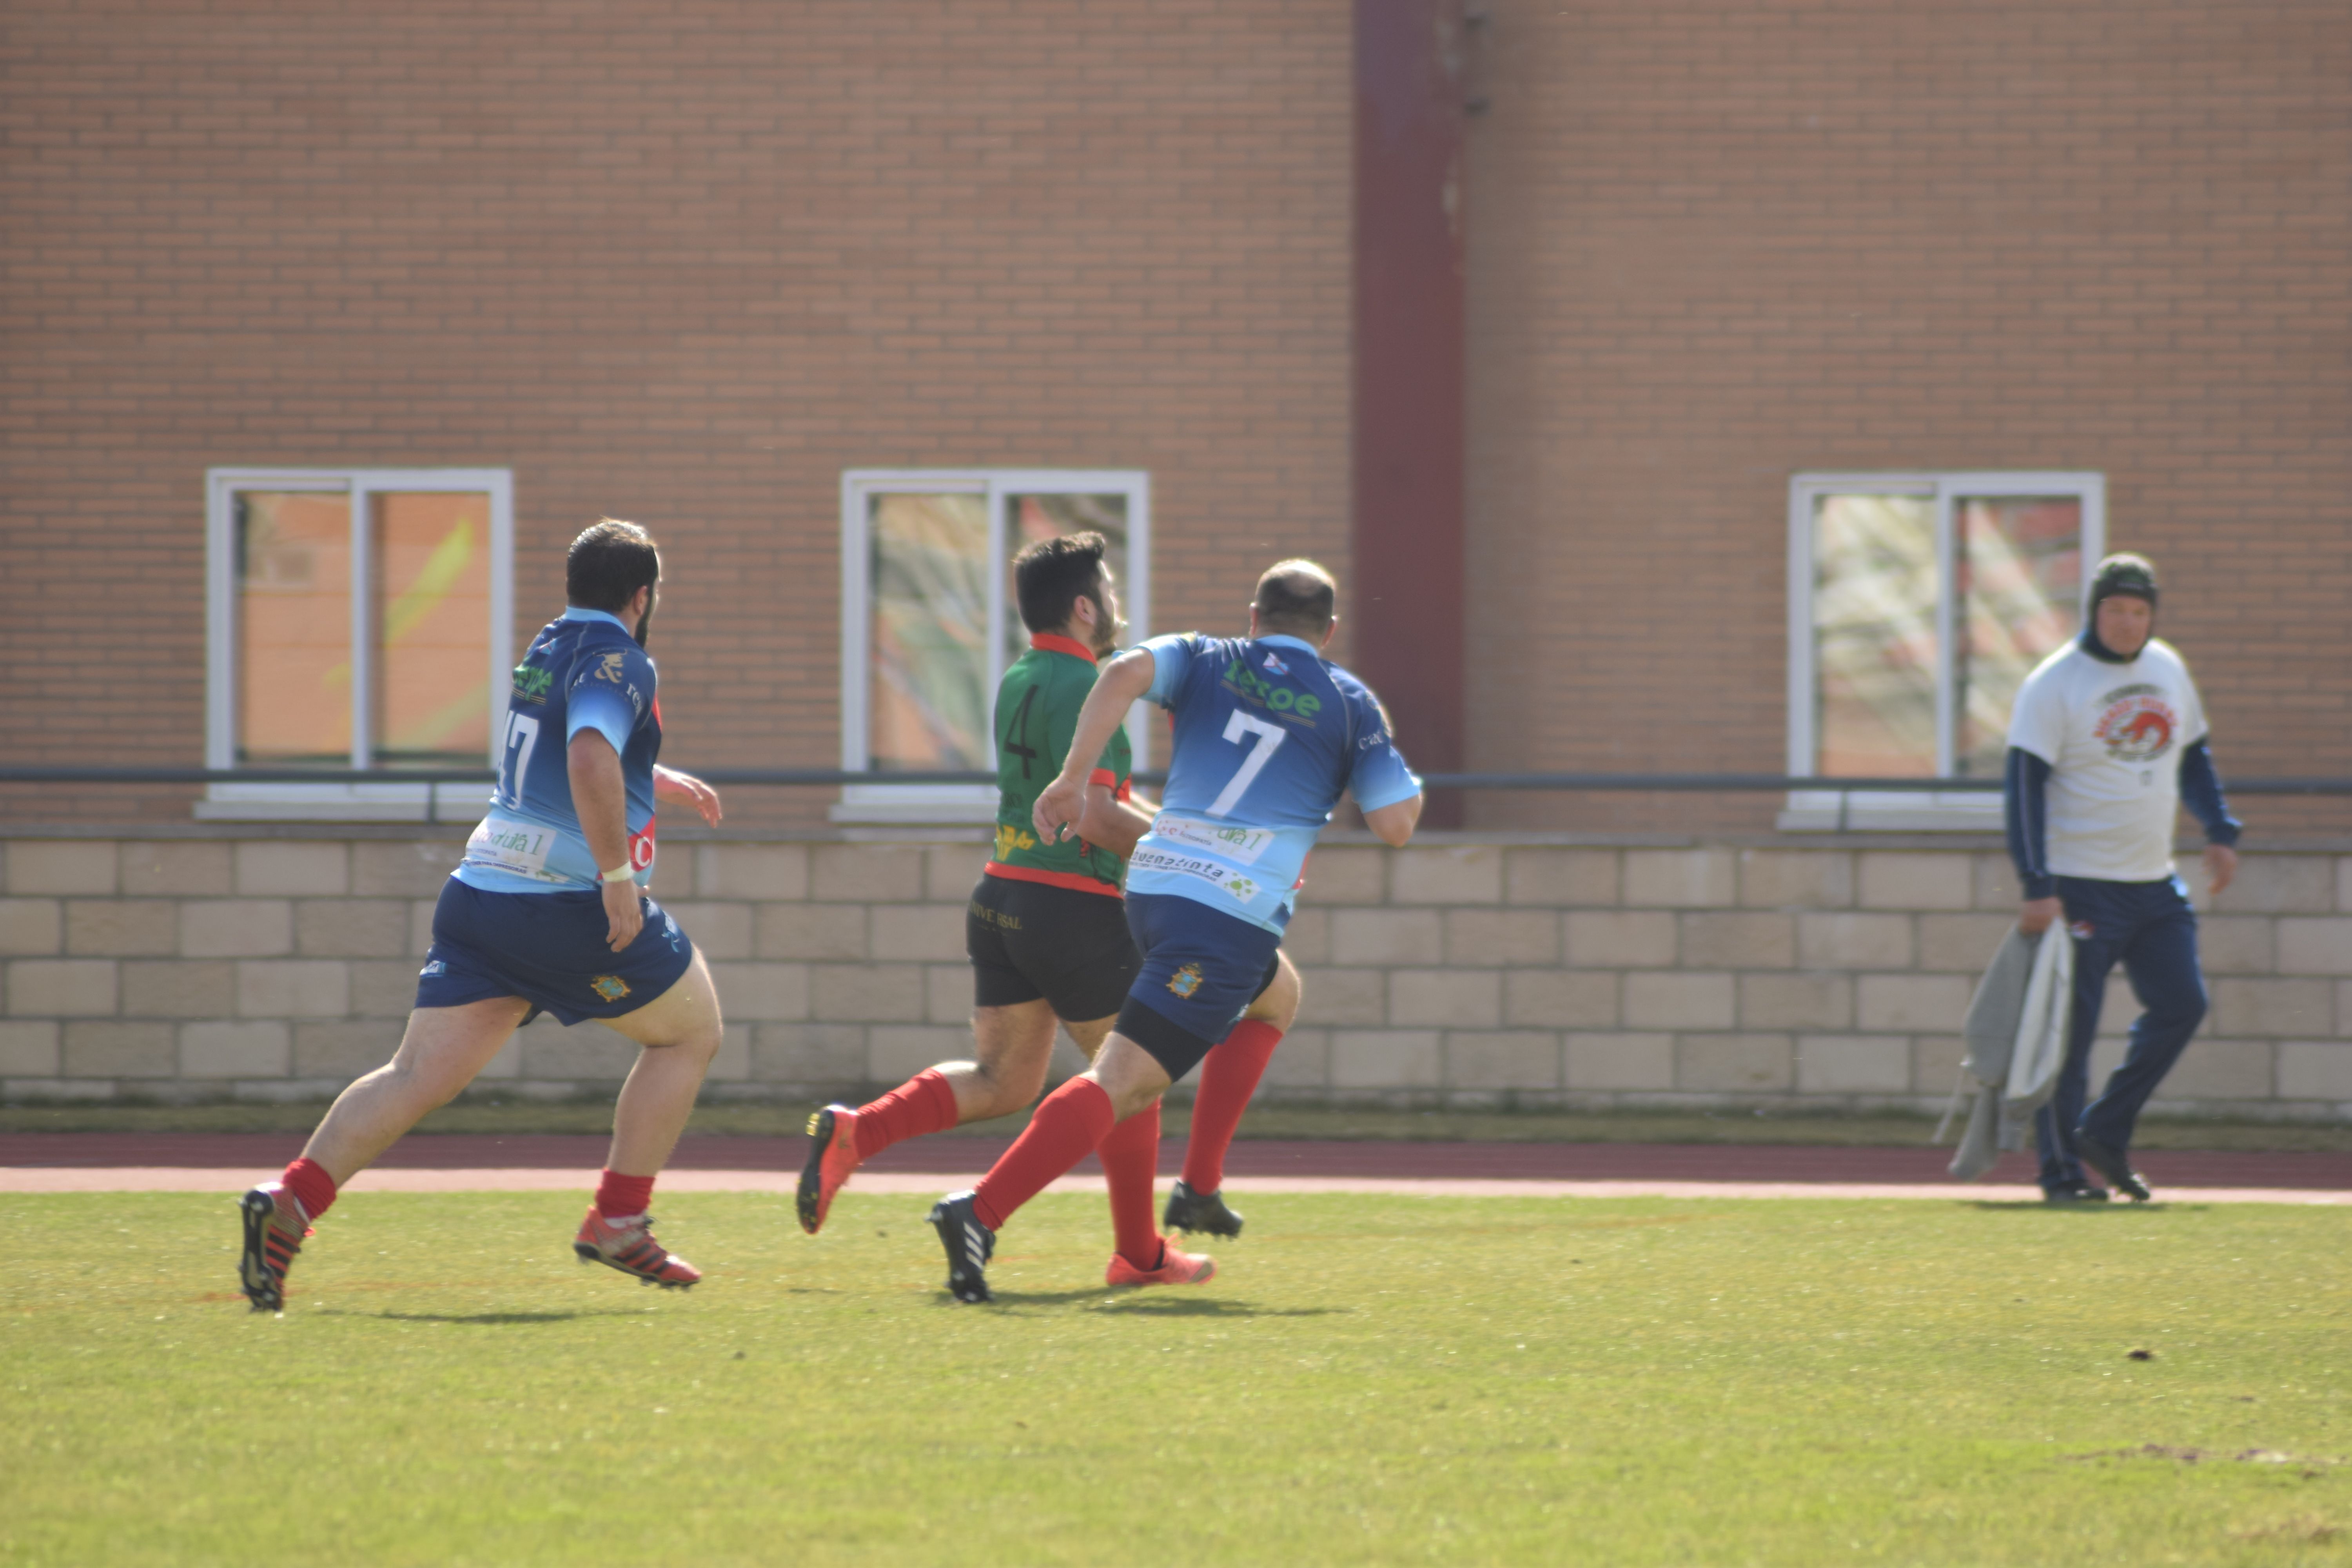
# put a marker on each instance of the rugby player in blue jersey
(1269, 735)
(546, 913)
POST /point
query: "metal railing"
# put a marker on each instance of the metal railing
(1682, 784)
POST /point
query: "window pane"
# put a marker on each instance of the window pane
(1875, 635)
(2021, 569)
(429, 576)
(1045, 517)
(293, 628)
(927, 708)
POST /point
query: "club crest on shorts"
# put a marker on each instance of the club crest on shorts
(2082, 931)
(611, 987)
(1185, 981)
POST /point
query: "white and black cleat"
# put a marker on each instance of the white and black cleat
(968, 1245)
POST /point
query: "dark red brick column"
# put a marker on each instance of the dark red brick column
(1407, 598)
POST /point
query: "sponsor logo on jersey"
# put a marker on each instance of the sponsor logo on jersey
(1243, 846)
(611, 987)
(431, 969)
(532, 683)
(1254, 687)
(611, 669)
(1223, 877)
(2136, 725)
(518, 849)
(1010, 839)
(1185, 981)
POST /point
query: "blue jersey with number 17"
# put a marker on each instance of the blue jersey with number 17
(585, 671)
(1268, 736)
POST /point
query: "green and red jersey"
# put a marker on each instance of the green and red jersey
(1037, 705)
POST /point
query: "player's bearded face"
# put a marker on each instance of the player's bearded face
(645, 622)
(1109, 626)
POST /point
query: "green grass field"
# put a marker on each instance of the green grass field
(1371, 1380)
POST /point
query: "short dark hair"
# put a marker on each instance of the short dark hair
(608, 564)
(1296, 597)
(1051, 576)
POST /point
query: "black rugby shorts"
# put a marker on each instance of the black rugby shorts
(1028, 939)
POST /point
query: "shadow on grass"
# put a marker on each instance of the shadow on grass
(1105, 1298)
(2083, 1209)
(494, 1319)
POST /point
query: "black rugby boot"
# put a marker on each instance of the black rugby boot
(1203, 1212)
(970, 1245)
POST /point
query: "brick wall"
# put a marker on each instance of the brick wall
(1714, 243)
(1727, 972)
(682, 263)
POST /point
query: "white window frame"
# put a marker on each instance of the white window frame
(1886, 810)
(914, 803)
(327, 802)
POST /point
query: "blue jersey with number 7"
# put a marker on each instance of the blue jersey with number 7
(1267, 737)
(585, 671)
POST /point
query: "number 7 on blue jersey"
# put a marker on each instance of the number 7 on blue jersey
(514, 757)
(1269, 736)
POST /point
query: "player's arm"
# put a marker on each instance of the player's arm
(600, 797)
(1117, 825)
(1064, 802)
(687, 790)
(1393, 823)
(1386, 789)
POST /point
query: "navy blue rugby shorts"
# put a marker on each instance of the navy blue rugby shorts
(1202, 970)
(548, 949)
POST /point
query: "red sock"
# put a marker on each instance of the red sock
(1228, 1077)
(311, 1187)
(620, 1198)
(1130, 1158)
(925, 1103)
(1073, 1119)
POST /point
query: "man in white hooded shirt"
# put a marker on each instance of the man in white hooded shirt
(2107, 741)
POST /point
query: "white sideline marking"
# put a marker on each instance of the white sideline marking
(183, 1179)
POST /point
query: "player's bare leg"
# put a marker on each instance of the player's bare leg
(1229, 1077)
(441, 1052)
(679, 1032)
(1014, 1046)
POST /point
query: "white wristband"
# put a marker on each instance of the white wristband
(624, 872)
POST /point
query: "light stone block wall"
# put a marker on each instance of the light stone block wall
(258, 963)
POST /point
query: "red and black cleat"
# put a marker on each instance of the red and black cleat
(832, 1155)
(275, 1226)
(629, 1245)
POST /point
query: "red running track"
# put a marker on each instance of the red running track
(959, 1155)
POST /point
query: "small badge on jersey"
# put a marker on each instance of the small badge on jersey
(1275, 664)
